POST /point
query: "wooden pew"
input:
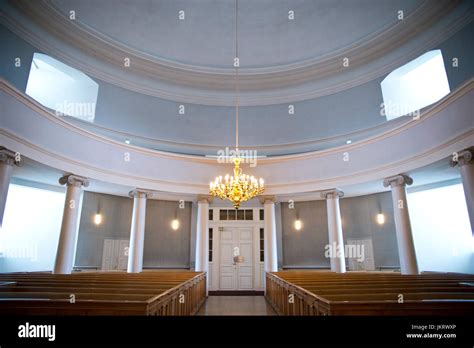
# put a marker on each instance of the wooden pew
(100, 293)
(324, 293)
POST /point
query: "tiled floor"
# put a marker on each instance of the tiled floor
(236, 305)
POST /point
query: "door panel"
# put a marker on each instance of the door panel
(226, 262)
(123, 254)
(236, 276)
(245, 269)
(114, 255)
(107, 254)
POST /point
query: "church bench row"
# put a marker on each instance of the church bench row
(117, 293)
(366, 294)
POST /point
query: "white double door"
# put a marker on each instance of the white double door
(236, 276)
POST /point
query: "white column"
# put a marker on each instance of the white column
(202, 235)
(7, 161)
(466, 166)
(202, 238)
(336, 241)
(406, 247)
(270, 238)
(70, 225)
(137, 231)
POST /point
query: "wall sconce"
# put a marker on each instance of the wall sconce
(380, 219)
(175, 224)
(98, 219)
(298, 225)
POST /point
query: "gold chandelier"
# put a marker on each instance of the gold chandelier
(239, 187)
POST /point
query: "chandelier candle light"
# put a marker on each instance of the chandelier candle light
(239, 187)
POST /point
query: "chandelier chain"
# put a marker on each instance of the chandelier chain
(237, 64)
(239, 187)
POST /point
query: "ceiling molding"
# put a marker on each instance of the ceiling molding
(101, 57)
(425, 115)
(447, 127)
(408, 164)
(283, 147)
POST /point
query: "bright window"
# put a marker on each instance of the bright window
(30, 231)
(441, 230)
(415, 85)
(65, 90)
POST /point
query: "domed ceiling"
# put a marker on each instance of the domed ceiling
(283, 62)
(267, 38)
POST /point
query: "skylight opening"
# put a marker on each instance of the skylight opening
(65, 90)
(415, 85)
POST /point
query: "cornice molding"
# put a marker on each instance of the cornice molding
(265, 86)
(425, 115)
(297, 186)
(283, 148)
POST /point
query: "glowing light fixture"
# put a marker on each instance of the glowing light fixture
(175, 224)
(380, 219)
(298, 225)
(98, 219)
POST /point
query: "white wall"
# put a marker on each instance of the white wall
(441, 230)
(30, 232)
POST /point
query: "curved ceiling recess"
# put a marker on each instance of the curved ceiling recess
(441, 130)
(314, 69)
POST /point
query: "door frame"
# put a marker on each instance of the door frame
(257, 266)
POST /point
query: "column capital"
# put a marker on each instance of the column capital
(74, 180)
(332, 193)
(9, 157)
(205, 199)
(140, 193)
(397, 180)
(267, 199)
(463, 158)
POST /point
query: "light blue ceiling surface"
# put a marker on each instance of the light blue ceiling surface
(266, 37)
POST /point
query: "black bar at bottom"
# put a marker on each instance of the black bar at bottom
(223, 330)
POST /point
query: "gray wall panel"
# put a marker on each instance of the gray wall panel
(163, 246)
(117, 216)
(305, 248)
(359, 222)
